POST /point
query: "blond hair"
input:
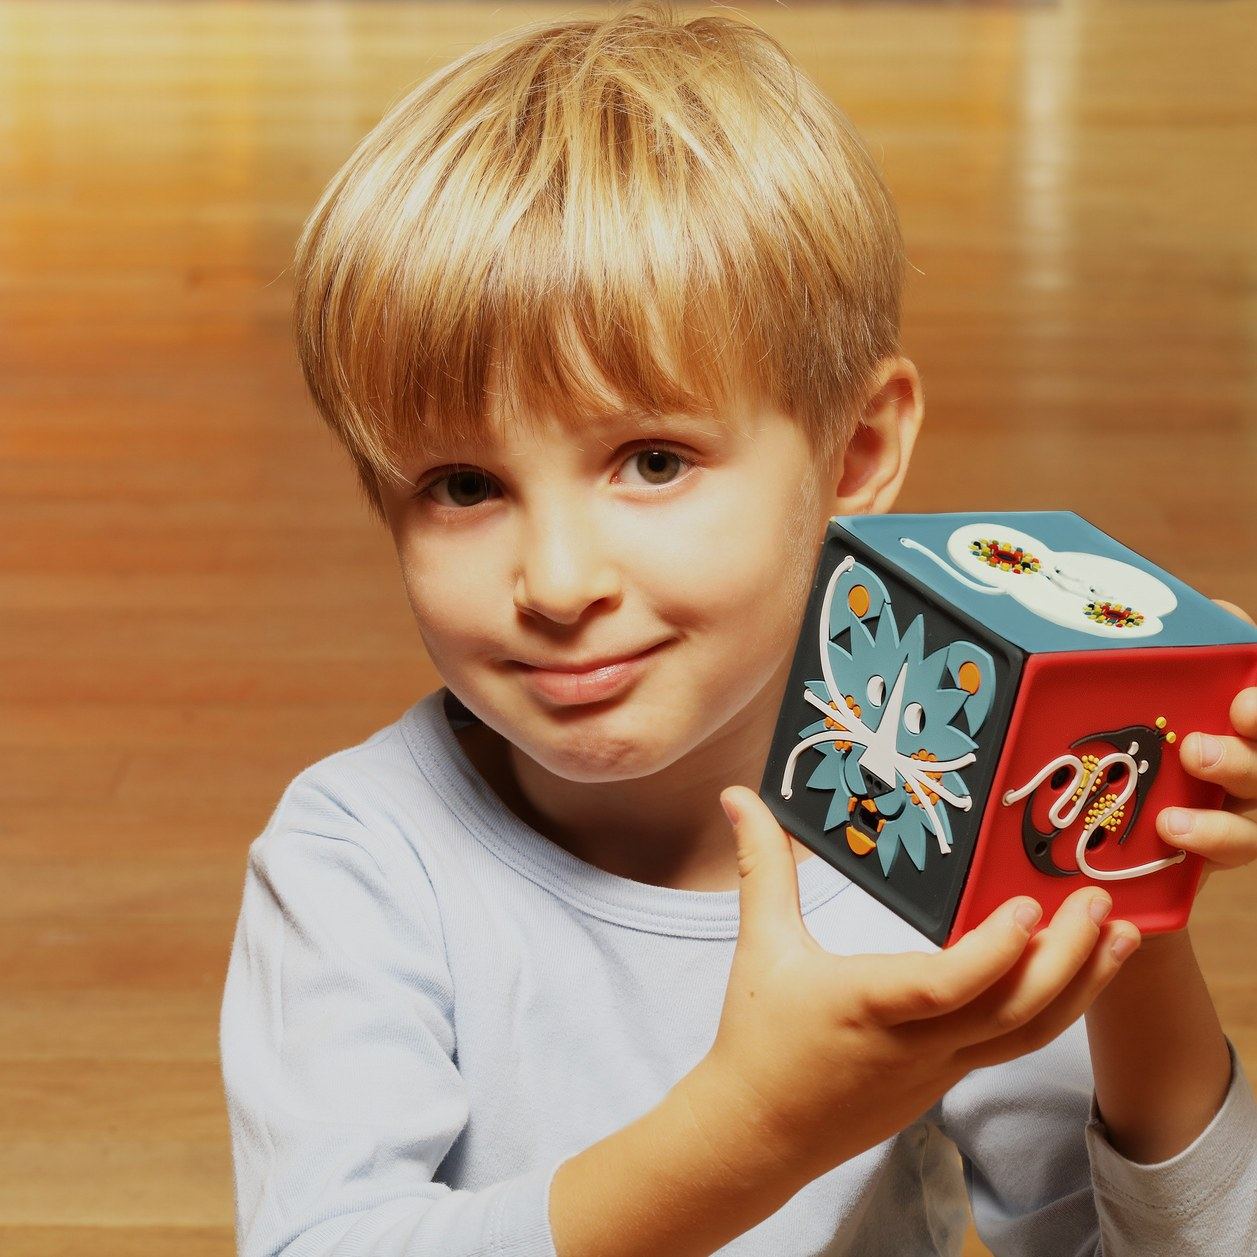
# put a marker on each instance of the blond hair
(669, 210)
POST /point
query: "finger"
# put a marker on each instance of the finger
(913, 985)
(1056, 955)
(1234, 610)
(768, 885)
(1227, 839)
(1243, 712)
(1230, 762)
(1079, 994)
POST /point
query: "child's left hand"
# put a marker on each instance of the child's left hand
(1227, 837)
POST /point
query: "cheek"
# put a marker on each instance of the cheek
(743, 567)
(447, 595)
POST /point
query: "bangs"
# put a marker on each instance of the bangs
(590, 217)
(569, 341)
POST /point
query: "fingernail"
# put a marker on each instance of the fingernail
(1178, 821)
(731, 811)
(1027, 916)
(1209, 749)
(1099, 908)
(1123, 945)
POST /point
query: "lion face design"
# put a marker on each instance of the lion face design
(890, 745)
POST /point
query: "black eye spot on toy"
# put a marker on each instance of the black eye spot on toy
(1144, 745)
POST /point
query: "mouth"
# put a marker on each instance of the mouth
(865, 823)
(583, 669)
(572, 689)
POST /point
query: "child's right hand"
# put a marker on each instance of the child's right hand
(828, 1055)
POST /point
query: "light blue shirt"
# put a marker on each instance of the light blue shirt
(430, 1005)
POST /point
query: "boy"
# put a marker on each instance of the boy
(502, 980)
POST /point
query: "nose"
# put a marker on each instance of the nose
(877, 760)
(563, 567)
(875, 786)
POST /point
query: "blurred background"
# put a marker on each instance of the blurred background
(194, 605)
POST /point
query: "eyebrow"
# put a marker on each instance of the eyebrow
(600, 422)
(648, 419)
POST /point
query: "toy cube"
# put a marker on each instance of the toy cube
(982, 706)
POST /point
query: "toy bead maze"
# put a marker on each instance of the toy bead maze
(984, 706)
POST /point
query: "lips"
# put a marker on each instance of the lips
(591, 666)
(588, 665)
(571, 688)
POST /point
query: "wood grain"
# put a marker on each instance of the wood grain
(193, 605)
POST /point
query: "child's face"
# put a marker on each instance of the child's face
(579, 547)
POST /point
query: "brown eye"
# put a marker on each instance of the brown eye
(464, 487)
(466, 484)
(655, 461)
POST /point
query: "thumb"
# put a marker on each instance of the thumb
(768, 885)
(1234, 610)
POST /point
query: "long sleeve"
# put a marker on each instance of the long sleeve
(1202, 1200)
(1043, 1179)
(338, 1056)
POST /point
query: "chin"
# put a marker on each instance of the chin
(590, 756)
(606, 748)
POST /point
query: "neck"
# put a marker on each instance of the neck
(664, 829)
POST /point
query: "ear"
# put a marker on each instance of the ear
(859, 594)
(875, 462)
(971, 668)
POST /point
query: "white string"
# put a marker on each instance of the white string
(1063, 820)
(951, 571)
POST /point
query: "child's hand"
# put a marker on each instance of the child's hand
(827, 1055)
(1227, 837)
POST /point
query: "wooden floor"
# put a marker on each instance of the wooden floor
(193, 606)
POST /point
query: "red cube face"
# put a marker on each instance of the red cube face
(1091, 755)
(982, 707)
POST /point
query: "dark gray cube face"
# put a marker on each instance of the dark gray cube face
(889, 731)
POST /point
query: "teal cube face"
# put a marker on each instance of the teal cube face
(1046, 581)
